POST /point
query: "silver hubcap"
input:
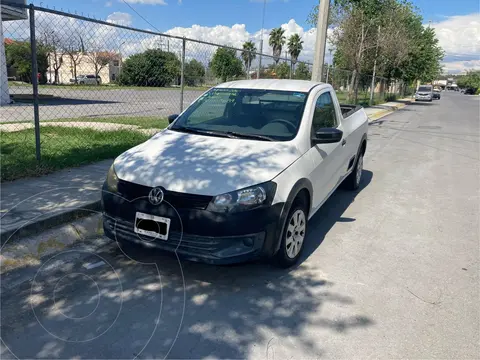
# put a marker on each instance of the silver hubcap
(359, 169)
(295, 233)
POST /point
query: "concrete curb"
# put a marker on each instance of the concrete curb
(49, 221)
(383, 113)
(30, 251)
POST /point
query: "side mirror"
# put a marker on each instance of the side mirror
(327, 136)
(171, 118)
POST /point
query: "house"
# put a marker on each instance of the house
(109, 64)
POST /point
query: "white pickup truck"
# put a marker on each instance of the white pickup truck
(239, 173)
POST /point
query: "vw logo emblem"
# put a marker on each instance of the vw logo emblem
(155, 196)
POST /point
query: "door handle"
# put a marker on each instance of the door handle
(344, 142)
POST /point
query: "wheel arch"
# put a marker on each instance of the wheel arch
(363, 144)
(303, 188)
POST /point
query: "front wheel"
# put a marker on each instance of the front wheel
(293, 236)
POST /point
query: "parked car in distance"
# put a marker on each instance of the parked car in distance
(87, 80)
(436, 95)
(470, 91)
(424, 93)
(239, 173)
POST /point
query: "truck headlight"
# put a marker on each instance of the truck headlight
(244, 199)
(112, 180)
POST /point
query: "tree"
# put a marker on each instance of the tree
(53, 41)
(248, 55)
(225, 64)
(383, 37)
(295, 47)
(282, 70)
(470, 80)
(302, 72)
(425, 55)
(153, 67)
(276, 41)
(99, 60)
(194, 73)
(73, 50)
(353, 37)
(56, 59)
(19, 56)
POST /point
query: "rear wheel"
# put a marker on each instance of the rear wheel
(293, 235)
(352, 182)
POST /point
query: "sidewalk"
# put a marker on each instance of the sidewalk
(29, 206)
(376, 112)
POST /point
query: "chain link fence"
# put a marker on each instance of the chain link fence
(85, 90)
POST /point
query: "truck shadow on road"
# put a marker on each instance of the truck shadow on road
(329, 214)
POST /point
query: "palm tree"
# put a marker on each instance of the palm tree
(295, 47)
(276, 41)
(248, 55)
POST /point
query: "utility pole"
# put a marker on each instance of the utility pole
(261, 40)
(372, 86)
(322, 25)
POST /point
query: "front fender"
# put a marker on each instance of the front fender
(301, 184)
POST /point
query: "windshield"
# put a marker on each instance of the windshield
(425, 88)
(245, 113)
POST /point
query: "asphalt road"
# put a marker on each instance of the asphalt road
(391, 271)
(98, 103)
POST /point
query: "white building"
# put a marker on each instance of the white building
(9, 13)
(85, 65)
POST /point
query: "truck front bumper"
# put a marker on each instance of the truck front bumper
(198, 235)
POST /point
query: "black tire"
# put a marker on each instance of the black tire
(352, 182)
(284, 257)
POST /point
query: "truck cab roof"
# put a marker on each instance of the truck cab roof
(273, 84)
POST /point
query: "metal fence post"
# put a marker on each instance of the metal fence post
(36, 113)
(182, 74)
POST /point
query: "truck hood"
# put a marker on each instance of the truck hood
(203, 165)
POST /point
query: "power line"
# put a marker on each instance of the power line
(136, 12)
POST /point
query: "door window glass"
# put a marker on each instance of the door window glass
(324, 115)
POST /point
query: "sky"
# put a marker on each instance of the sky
(457, 23)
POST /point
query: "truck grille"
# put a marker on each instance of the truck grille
(131, 191)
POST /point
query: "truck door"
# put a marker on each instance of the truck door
(328, 159)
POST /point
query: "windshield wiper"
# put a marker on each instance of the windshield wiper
(200, 132)
(249, 136)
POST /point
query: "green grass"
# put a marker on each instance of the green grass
(363, 98)
(147, 122)
(61, 148)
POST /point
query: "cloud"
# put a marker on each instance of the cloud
(120, 18)
(146, 2)
(459, 36)
(237, 34)
(108, 4)
(457, 67)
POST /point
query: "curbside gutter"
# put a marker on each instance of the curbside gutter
(30, 251)
(49, 221)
